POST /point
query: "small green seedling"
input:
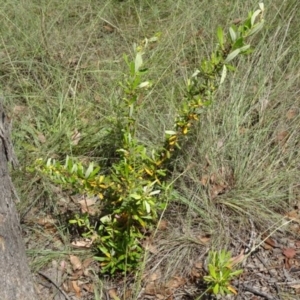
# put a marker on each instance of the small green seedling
(221, 272)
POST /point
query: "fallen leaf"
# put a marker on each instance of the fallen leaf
(66, 286)
(264, 104)
(217, 189)
(204, 180)
(237, 259)
(213, 178)
(295, 227)
(289, 252)
(270, 243)
(150, 288)
(108, 28)
(267, 246)
(98, 98)
(154, 276)
(243, 130)
(232, 289)
(200, 32)
(293, 215)
(183, 63)
(41, 138)
(175, 282)
(237, 21)
(86, 203)
(291, 114)
(87, 243)
(75, 138)
(46, 221)
(89, 287)
(76, 288)
(162, 225)
(204, 239)
(195, 273)
(113, 294)
(86, 263)
(127, 294)
(151, 248)
(220, 144)
(19, 109)
(76, 262)
(148, 246)
(73, 61)
(63, 265)
(281, 137)
(198, 265)
(76, 275)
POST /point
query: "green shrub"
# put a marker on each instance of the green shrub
(134, 189)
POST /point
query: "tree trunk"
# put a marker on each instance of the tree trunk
(16, 281)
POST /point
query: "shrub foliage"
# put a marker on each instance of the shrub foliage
(134, 188)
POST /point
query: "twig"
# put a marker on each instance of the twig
(55, 284)
(258, 293)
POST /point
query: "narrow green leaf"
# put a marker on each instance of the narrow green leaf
(261, 6)
(100, 258)
(170, 132)
(73, 169)
(156, 192)
(238, 43)
(223, 75)
(230, 68)
(220, 37)
(236, 273)
(144, 84)
(232, 33)
(104, 251)
(257, 27)
(67, 163)
(236, 52)
(48, 164)
(132, 70)
(216, 289)
(95, 172)
(232, 55)
(147, 206)
(245, 48)
(106, 219)
(72, 221)
(89, 170)
(153, 39)
(212, 271)
(125, 57)
(135, 196)
(253, 17)
(79, 170)
(138, 61)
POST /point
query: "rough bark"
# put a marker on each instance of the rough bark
(16, 281)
